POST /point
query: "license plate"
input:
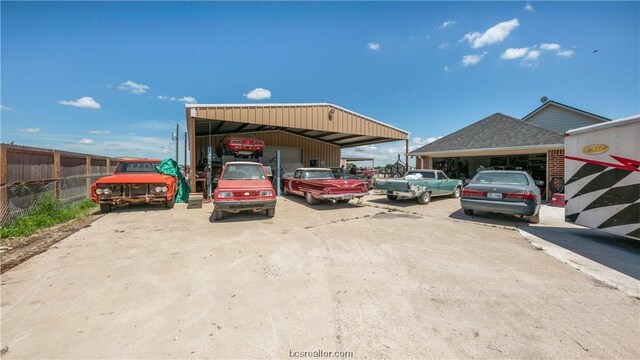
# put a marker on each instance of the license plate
(494, 195)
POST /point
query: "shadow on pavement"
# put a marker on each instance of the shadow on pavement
(138, 208)
(404, 202)
(242, 216)
(612, 251)
(325, 205)
(484, 218)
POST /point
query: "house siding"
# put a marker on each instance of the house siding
(560, 120)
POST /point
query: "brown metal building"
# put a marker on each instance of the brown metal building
(303, 133)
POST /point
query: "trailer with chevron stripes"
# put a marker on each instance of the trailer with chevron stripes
(602, 186)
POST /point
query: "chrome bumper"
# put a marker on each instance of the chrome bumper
(408, 194)
(342, 196)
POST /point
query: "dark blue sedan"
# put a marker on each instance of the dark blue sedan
(503, 192)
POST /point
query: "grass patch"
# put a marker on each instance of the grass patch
(49, 212)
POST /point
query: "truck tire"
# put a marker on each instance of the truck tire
(392, 197)
(271, 212)
(456, 193)
(535, 219)
(285, 191)
(425, 198)
(105, 208)
(310, 199)
(217, 215)
(468, 212)
(170, 203)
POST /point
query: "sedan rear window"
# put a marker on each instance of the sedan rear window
(421, 174)
(500, 179)
(243, 172)
(317, 174)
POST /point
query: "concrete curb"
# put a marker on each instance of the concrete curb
(608, 276)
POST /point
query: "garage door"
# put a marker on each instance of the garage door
(287, 154)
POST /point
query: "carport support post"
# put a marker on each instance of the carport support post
(406, 154)
(277, 172)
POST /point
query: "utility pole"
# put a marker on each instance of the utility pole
(177, 142)
(185, 151)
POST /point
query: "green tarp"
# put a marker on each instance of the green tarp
(170, 167)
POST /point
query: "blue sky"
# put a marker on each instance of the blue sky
(112, 78)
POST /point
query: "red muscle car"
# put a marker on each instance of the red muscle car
(241, 147)
(243, 186)
(317, 184)
(134, 181)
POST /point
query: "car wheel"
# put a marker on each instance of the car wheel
(310, 199)
(468, 212)
(535, 219)
(456, 193)
(170, 203)
(271, 212)
(425, 198)
(392, 197)
(105, 208)
(217, 215)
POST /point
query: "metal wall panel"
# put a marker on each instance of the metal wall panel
(311, 149)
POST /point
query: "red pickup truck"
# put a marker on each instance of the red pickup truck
(243, 186)
(241, 147)
(317, 184)
(134, 181)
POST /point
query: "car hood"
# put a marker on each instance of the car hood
(244, 184)
(138, 178)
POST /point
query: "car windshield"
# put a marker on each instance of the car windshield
(243, 172)
(421, 174)
(500, 179)
(137, 167)
(317, 174)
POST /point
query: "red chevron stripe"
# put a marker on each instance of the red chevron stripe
(623, 163)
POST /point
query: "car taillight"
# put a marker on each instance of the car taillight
(523, 195)
(236, 142)
(471, 192)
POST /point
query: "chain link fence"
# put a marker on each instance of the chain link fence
(22, 198)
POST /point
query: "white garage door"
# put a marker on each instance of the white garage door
(287, 154)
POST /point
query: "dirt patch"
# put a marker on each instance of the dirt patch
(19, 250)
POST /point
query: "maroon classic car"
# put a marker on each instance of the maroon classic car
(317, 184)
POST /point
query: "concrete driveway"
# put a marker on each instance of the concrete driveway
(377, 280)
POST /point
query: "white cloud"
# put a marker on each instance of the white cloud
(446, 69)
(469, 60)
(184, 99)
(86, 141)
(528, 7)
(86, 102)
(188, 100)
(514, 53)
(133, 87)
(424, 141)
(565, 53)
(258, 94)
(493, 35)
(446, 24)
(29, 130)
(373, 46)
(443, 45)
(100, 132)
(2, 107)
(552, 46)
(533, 55)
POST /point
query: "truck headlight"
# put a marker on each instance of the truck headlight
(266, 193)
(98, 191)
(106, 191)
(225, 194)
(164, 189)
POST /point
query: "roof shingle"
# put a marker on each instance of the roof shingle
(495, 131)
